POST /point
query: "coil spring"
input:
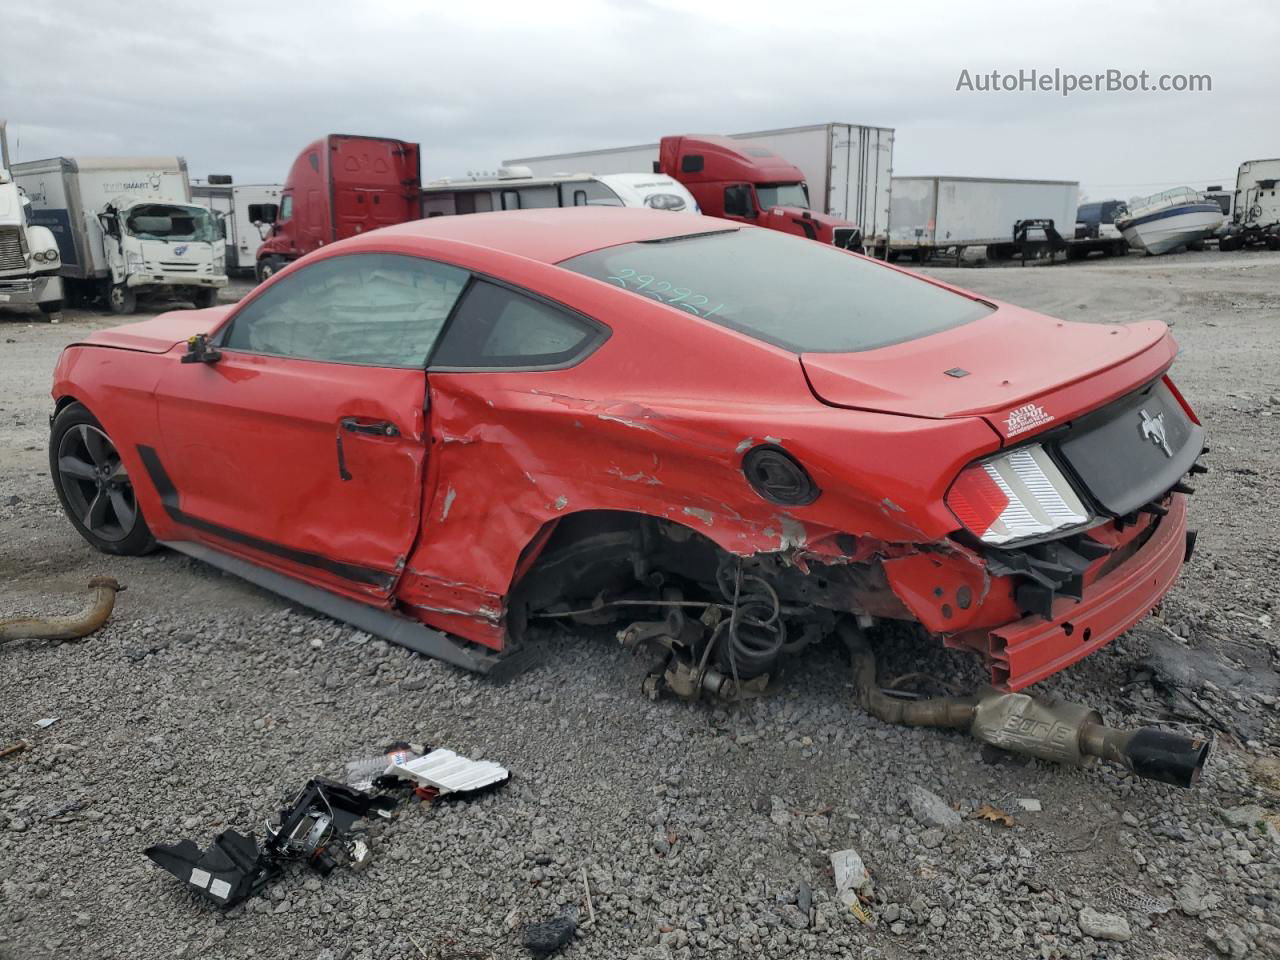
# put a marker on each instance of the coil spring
(753, 636)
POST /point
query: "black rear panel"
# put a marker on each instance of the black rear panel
(1134, 450)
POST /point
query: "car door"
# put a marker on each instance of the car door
(303, 445)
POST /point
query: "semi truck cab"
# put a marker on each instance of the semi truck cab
(750, 184)
(29, 258)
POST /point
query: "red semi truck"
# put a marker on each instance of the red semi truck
(338, 187)
(751, 184)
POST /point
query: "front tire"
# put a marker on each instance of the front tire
(93, 486)
(50, 307)
(205, 297)
(121, 299)
(269, 267)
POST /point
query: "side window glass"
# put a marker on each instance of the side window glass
(381, 309)
(497, 327)
(286, 207)
(691, 163)
(737, 202)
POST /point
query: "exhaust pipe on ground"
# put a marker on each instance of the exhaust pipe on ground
(70, 627)
(1048, 729)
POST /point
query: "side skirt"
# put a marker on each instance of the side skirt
(392, 627)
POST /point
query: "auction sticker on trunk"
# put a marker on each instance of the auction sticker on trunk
(1024, 418)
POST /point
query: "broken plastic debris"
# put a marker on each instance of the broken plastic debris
(547, 936)
(362, 773)
(313, 829)
(1029, 804)
(46, 722)
(448, 773)
(851, 878)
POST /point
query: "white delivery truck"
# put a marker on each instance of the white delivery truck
(29, 260)
(848, 168)
(932, 214)
(1256, 219)
(246, 210)
(516, 188)
(126, 227)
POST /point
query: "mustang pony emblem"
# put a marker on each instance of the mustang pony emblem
(1153, 430)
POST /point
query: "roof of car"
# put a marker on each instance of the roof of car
(556, 234)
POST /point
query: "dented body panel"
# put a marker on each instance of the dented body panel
(487, 476)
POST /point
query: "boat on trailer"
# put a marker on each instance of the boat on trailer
(1169, 220)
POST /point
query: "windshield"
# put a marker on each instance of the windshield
(783, 195)
(803, 296)
(169, 221)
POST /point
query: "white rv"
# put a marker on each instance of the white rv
(126, 226)
(29, 260)
(245, 210)
(515, 188)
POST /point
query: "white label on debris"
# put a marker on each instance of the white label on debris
(1025, 418)
(199, 878)
(220, 889)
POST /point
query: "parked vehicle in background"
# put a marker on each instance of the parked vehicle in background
(515, 188)
(341, 186)
(824, 181)
(247, 210)
(935, 214)
(1168, 221)
(1096, 231)
(29, 258)
(126, 226)
(1256, 217)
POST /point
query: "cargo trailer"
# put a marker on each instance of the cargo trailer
(932, 214)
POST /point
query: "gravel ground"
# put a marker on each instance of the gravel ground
(705, 831)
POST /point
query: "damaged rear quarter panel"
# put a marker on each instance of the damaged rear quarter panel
(656, 422)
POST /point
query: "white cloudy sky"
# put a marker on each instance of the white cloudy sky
(239, 87)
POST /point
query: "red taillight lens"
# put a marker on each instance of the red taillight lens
(1016, 495)
(976, 499)
(1177, 395)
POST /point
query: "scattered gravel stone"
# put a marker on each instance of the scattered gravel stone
(1104, 926)
(931, 810)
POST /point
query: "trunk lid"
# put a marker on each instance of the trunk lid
(1019, 370)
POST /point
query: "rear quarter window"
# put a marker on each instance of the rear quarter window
(804, 296)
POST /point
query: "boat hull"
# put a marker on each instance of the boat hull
(1171, 228)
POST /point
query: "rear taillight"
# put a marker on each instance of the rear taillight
(1015, 495)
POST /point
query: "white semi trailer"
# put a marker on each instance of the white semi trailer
(932, 214)
(29, 260)
(848, 168)
(126, 226)
(246, 210)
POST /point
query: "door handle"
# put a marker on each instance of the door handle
(383, 428)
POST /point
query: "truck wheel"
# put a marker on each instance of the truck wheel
(93, 485)
(1196, 245)
(269, 267)
(49, 308)
(121, 299)
(205, 297)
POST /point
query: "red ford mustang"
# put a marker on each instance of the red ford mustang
(443, 430)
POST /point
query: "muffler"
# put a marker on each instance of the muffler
(1041, 727)
(70, 627)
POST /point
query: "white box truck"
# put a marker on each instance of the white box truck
(848, 168)
(246, 209)
(931, 214)
(126, 226)
(29, 260)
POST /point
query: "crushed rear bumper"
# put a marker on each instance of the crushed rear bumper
(1028, 650)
